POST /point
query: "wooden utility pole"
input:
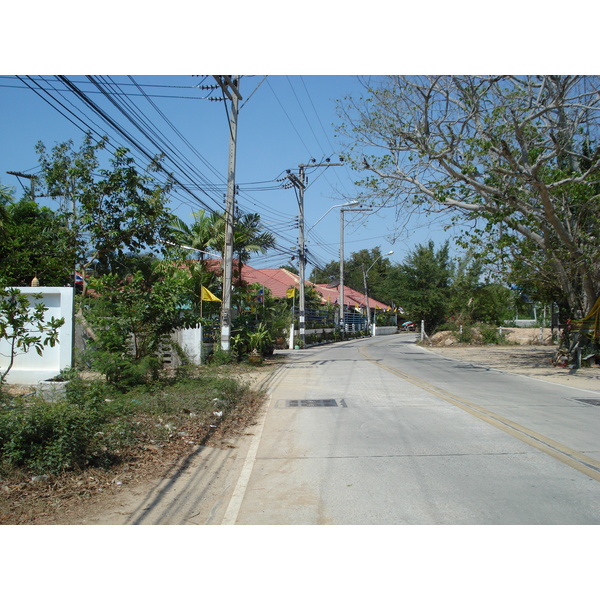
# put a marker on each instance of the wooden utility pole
(230, 86)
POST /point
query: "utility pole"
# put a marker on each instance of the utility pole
(342, 211)
(230, 86)
(25, 176)
(300, 183)
(365, 273)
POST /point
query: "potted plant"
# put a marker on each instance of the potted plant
(258, 340)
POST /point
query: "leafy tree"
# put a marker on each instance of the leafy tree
(381, 277)
(425, 279)
(508, 157)
(6, 196)
(35, 241)
(132, 318)
(112, 211)
(330, 273)
(471, 299)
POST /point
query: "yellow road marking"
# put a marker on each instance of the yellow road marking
(582, 463)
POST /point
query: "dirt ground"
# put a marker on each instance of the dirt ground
(528, 357)
(99, 496)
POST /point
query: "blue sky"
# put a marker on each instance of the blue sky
(284, 121)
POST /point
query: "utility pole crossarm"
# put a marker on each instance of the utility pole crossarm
(32, 179)
(227, 83)
(326, 164)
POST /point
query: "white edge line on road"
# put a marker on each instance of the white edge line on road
(233, 509)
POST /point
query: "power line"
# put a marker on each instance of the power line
(128, 137)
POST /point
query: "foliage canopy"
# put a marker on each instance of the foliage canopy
(510, 158)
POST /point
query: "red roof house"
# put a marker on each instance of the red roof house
(279, 281)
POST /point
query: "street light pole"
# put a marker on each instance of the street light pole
(342, 211)
(366, 288)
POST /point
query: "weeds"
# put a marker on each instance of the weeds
(98, 424)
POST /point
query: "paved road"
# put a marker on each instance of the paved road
(380, 431)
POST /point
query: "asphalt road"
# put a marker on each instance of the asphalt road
(380, 431)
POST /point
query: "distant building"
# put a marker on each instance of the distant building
(279, 281)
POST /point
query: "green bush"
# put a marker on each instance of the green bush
(465, 336)
(48, 437)
(222, 357)
(491, 335)
(97, 424)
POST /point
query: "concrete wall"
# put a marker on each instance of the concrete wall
(387, 330)
(30, 368)
(190, 341)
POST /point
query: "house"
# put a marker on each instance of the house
(279, 281)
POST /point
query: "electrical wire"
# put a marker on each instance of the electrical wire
(278, 222)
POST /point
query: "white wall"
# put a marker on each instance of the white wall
(191, 343)
(30, 368)
(384, 330)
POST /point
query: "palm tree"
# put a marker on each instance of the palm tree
(200, 235)
(207, 232)
(248, 237)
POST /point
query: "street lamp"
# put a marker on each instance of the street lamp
(343, 207)
(342, 211)
(351, 203)
(365, 273)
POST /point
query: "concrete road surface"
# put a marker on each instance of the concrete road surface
(380, 431)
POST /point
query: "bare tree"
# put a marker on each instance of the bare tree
(508, 156)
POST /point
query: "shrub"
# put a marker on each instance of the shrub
(491, 335)
(48, 437)
(222, 357)
(465, 336)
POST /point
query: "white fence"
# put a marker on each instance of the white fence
(30, 368)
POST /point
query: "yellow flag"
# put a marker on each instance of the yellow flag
(208, 296)
(291, 293)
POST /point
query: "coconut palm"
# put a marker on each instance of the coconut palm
(198, 235)
(248, 237)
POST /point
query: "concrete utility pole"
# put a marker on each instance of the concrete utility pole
(300, 183)
(230, 86)
(365, 273)
(342, 211)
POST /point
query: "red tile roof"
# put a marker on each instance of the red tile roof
(279, 281)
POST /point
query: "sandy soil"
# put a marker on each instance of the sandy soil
(532, 361)
(528, 357)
